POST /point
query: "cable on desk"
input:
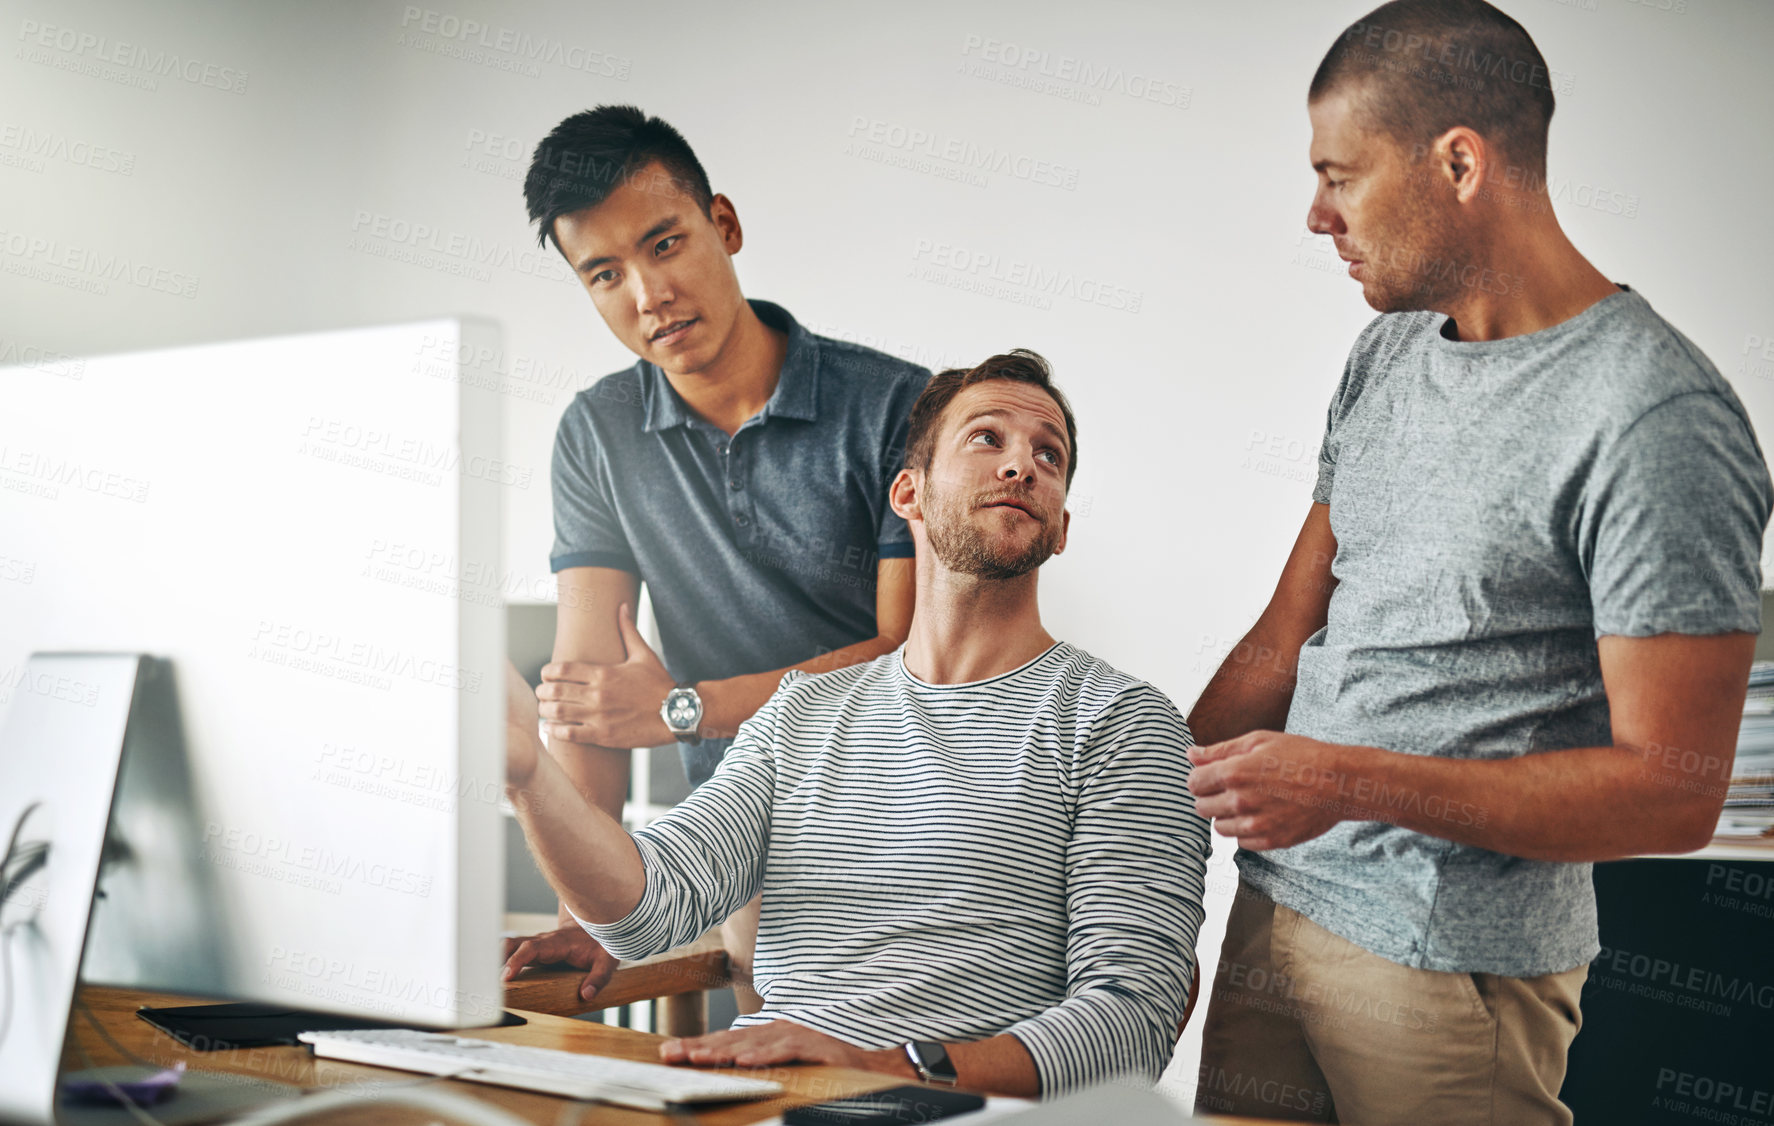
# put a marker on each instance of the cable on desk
(16, 865)
(445, 1104)
(118, 1093)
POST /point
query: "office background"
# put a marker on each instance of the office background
(1119, 186)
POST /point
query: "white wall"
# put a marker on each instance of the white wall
(1199, 413)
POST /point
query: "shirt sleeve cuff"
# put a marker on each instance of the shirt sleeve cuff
(1087, 1040)
(896, 550)
(643, 931)
(620, 560)
(1698, 621)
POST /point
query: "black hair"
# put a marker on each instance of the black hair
(591, 153)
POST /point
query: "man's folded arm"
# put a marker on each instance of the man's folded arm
(1136, 873)
(704, 859)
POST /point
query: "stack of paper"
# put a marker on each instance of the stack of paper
(1749, 801)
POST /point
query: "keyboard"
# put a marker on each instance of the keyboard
(644, 1086)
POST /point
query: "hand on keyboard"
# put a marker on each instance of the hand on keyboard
(781, 1041)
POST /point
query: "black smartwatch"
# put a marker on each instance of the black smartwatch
(682, 713)
(931, 1061)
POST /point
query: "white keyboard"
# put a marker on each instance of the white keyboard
(645, 1086)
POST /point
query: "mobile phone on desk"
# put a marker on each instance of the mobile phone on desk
(896, 1106)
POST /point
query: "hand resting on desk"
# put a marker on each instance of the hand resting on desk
(781, 1041)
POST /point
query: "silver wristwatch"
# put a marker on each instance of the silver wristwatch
(682, 713)
(932, 1063)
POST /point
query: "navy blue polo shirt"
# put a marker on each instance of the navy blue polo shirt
(759, 549)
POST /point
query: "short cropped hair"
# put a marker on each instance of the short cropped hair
(1019, 365)
(1422, 67)
(590, 154)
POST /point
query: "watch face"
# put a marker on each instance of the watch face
(681, 711)
(933, 1059)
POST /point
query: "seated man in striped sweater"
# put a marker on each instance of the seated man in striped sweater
(979, 857)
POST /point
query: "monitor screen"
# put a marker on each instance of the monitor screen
(305, 532)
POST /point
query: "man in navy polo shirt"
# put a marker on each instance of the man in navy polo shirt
(740, 469)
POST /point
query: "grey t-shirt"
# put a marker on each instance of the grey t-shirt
(1498, 505)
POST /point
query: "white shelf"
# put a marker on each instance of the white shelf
(1721, 850)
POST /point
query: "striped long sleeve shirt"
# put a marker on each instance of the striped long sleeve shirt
(951, 861)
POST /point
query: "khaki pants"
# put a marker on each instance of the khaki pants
(1309, 1027)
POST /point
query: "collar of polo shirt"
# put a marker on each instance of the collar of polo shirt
(797, 389)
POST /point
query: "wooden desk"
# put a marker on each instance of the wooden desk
(114, 1010)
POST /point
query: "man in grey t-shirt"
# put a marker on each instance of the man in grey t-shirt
(1515, 629)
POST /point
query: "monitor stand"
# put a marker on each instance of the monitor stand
(211, 1028)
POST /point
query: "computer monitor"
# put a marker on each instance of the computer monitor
(306, 532)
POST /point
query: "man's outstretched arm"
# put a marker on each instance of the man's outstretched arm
(588, 858)
(585, 630)
(663, 885)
